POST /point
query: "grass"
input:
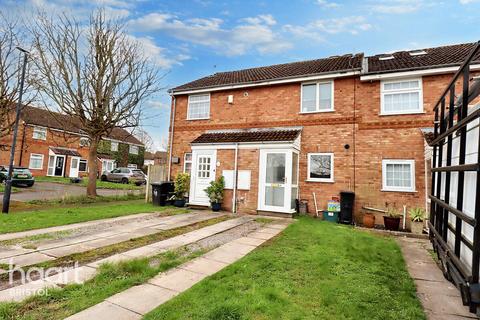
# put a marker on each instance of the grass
(84, 182)
(2, 188)
(58, 216)
(314, 270)
(111, 279)
(84, 199)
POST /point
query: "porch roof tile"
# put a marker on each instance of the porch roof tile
(251, 135)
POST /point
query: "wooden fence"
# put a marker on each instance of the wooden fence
(155, 173)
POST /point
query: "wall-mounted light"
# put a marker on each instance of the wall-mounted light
(230, 99)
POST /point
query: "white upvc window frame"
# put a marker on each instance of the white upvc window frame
(114, 143)
(386, 162)
(332, 167)
(30, 161)
(185, 161)
(86, 165)
(84, 142)
(317, 106)
(209, 106)
(383, 92)
(41, 129)
(131, 149)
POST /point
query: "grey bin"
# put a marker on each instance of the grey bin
(161, 191)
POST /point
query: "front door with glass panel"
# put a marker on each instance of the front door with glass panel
(56, 165)
(74, 166)
(203, 172)
(278, 169)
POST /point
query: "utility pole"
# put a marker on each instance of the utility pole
(8, 182)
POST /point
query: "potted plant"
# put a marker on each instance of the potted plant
(182, 185)
(368, 220)
(417, 216)
(215, 193)
(392, 219)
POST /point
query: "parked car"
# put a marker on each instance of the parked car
(125, 175)
(20, 177)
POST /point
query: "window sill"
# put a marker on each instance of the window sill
(402, 113)
(404, 191)
(35, 168)
(320, 181)
(198, 119)
(320, 111)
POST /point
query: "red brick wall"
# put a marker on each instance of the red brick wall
(356, 121)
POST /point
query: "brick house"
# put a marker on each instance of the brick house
(50, 144)
(283, 132)
(157, 158)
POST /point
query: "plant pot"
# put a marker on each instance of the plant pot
(368, 220)
(391, 223)
(416, 227)
(180, 203)
(216, 206)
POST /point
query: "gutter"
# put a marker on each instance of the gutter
(170, 153)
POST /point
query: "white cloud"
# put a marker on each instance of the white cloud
(251, 34)
(319, 28)
(396, 6)
(158, 55)
(327, 4)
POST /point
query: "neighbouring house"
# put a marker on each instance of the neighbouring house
(283, 132)
(157, 158)
(51, 144)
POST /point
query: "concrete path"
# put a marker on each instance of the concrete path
(51, 250)
(135, 302)
(51, 190)
(83, 273)
(439, 297)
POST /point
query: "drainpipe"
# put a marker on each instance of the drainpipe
(171, 138)
(235, 173)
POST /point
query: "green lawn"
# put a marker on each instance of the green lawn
(57, 216)
(100, 184)
(315, 270)
(2, 188)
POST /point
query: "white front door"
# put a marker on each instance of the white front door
(277, 170)
(74, 166)
(203, 172)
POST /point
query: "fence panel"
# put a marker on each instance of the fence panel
(155, 173)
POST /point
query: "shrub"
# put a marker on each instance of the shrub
(182, 185)
(215, 190)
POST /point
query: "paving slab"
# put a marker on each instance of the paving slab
(249, 241)
(76, 275)
(67, 250)
(204, 266)
(177, 279)
(238, 247)
(439, 298)
(223, 255)
(261, 235)
(106, 310)
(27, 259)
(119, 257)
(143, 298)
(23, 291)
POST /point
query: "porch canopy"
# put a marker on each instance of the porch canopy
(65, 152)
(257, 135)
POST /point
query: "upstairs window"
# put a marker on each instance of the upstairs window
(401, 97)
(40, 133)
(317, 97)
(84, 142)
(114, 146)
(198, 107)
(133, 149)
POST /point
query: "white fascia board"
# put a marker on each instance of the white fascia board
(415, 73)
(272, 82)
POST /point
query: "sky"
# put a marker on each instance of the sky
(189, 39)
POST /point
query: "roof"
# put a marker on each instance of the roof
(249, 135)
(444, 56)
(428, 58)
(66, 152)
(428, 135)
(46, 118)
(335, 64)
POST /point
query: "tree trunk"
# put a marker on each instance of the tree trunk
(92, 169)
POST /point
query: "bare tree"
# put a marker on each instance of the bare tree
(144, 138)
(10, 37)
(94, 73)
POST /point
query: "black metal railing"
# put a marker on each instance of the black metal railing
(447, 219)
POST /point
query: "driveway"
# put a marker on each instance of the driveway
(50, 190)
